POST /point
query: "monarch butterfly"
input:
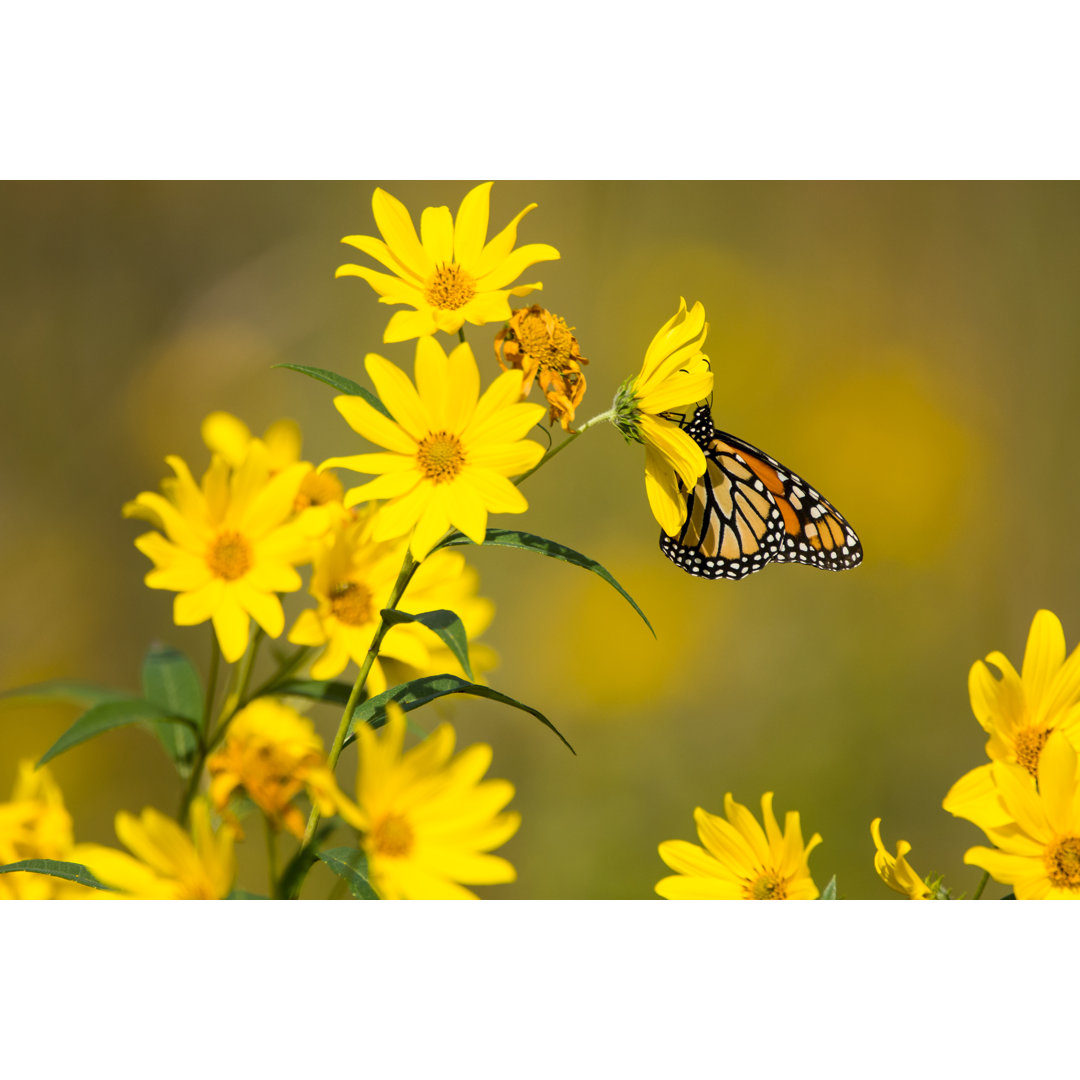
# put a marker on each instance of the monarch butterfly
(748, 510)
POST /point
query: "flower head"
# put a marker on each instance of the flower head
(450, 450)
(1019, 712)
(352, 579)
(896, 872)
(539, 343)
(451, 274)
(167, 863)
(230, 544)
(35, 824)
(428, 818)
(675, 374)
(273, 753)
(1037, 851)
(740, 860)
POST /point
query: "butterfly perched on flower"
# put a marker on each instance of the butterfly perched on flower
(748, 510)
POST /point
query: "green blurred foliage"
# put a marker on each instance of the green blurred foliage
(911, 349)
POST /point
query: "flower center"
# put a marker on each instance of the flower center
(392, 836)
(317, 489)
(547, 339)
(450, 288)
(351, 603)
(1029, 743)
(441, 456)
(767, 887)
(1063, 863)
(229, 556)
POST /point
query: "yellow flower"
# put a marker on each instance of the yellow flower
(897, 872)
(36, 825)
(273, 753)
(450, 454)
(740, 860)
(537, 342)
(1019, 712)
(448, 274)
(428, 819)
(675, 374)
(168, 864)
(352, 579)
(231, 544)
(1038, 851)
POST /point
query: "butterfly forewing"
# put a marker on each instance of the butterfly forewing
(748, 510)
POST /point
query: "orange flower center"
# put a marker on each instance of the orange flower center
(1063, 862)
(230, 556)
(392, 836)
(1029, 743)
(450, 288)
(352, 603)
(440, 456)
(768, 886)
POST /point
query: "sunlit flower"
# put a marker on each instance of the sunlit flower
(352, 579)
(167, 863)
(35, 824)
(675, 374)
(429, 818)
(273, 753)
(1019, 712)
(896, 872)
(1038, 850)
(449, 274)
(450, 454)
(231, 544)
(539, 343)
(740, 860)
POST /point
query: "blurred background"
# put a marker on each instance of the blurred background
(910, 349)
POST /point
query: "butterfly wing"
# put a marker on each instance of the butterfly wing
(748, 510)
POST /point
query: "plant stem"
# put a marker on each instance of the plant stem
(461, 333)
(211, 686)
(982, 885)
(565, 443)
(271, 857)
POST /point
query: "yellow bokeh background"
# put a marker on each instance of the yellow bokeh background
(911, 349)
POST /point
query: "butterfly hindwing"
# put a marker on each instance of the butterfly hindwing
(748, 510)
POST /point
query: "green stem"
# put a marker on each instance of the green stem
(271, 857)
(211, 686)
(461, 334)
(565, 443)
(287, 670)
(982, 885)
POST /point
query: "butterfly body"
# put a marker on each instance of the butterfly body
(748, 510)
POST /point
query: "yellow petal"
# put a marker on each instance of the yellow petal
(375, 427)
(406, 325)
(397, 230)
(437, 234)
(516, 263)
(471, 225)
(231, 624)
(398, 394)
(1043, 657)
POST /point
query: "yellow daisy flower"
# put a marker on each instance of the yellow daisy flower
(740, 860)
(430, 820)
(1038, 851)
(450, 274)
(274, 753)
(35, 824)
(167, 864)
(451, 450)
(896, 872)
(674, 375)
(352, 579)
(231, 544)
(1019, 712)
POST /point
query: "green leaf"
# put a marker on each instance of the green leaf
(350, 864)
(512, 538)
(69, 691)
(243, 894)
(340, 383)
(171, 683)
(412, 695)
(104, 717)
(69, 871)
(442, 622)
(337, 693)
(292, 878)
(829, 892)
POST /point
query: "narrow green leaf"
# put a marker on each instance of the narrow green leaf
(442, 622)
(69, 871)
(337, 693)
(104, 717)
(171, 683)
(243, 894)
(292, 878)
(69, 691)
(350, 864)
(829, 892)
(412, 695)
(340, 383)
(512, 538)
